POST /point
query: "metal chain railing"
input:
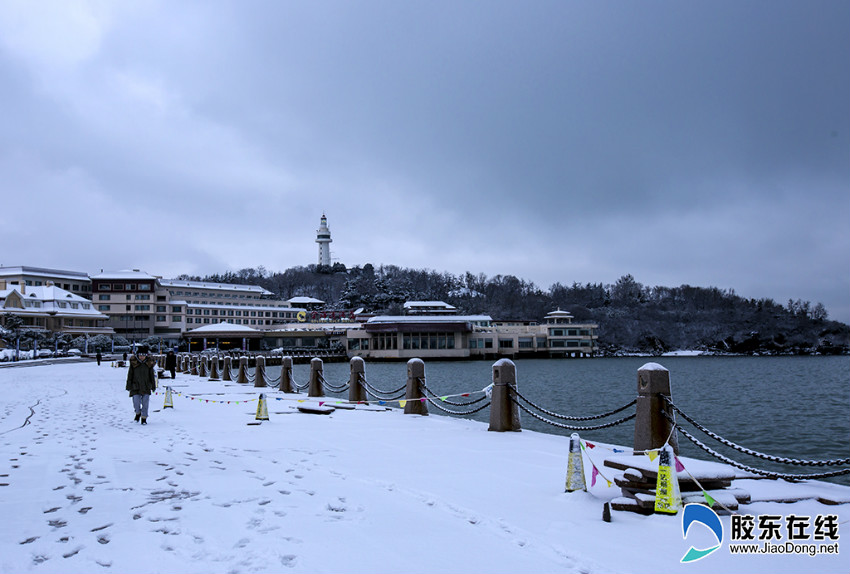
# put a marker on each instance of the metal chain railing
(335, 389)
(770, 457)
(375, 392)
(424, 386)
(458, 413)
(758, 471)
(571, 427)
(571, 418)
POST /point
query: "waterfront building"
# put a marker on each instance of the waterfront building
(450, 336)
(75, 282)
(323, 238)
(49, 308)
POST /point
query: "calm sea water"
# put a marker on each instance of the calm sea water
(794, 407)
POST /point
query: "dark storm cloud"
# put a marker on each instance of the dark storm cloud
(559, 141)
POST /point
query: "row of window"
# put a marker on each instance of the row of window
(428, 341)
(124, 287)
(569, 332)
(235, 321)
(138, 297)
(65, 286)
(211, 295)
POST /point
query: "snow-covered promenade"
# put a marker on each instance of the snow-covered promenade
(199, 489)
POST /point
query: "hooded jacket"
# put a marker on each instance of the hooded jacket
(141, 379)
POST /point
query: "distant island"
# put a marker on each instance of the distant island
(632, 318)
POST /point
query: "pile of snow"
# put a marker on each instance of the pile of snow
(203, 488)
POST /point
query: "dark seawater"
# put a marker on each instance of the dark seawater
(795, 407)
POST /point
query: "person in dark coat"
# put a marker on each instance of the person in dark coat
(171, 363)
(141, 382)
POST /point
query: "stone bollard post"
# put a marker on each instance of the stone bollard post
(242, 377)
(202, 367)
(184, 364)
(356, 390)
(214, 369)
(225, 375)
(651, 426)
(504, 413)
(316, 388)
(260, 371)
(413, 395)
(194, 368)
(286, 375)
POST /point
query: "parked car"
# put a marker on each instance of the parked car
(44, 353)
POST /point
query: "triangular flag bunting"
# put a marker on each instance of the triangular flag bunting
(443, 398)
(593, 476)
(402, 403)
(708, 499)
(652, 454)
(590, 444)
(679, 466)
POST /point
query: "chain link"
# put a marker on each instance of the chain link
(571, 427)
(766, 473)
(458, 413)
(569, 418)
(375, 392)
(340, 389)
(448, 402)
(772, 458)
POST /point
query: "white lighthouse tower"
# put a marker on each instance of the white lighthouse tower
(323, 238)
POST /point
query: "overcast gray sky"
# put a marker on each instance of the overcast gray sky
(705, 143)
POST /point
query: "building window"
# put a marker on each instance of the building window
(104, 297)
(143, 297)
(104, 287)
(103, 307)
(428, 341)
(506, 343)
(160, 318)
(144, 287)
(177, 309)
(385, 341)
(143, 307)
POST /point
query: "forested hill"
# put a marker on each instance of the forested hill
(632, 317)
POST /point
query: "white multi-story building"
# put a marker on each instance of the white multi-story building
(52, 309)
(75, 282)
(140, 305)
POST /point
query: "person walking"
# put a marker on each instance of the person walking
(141, 382)
(98, 356)
(171, 363)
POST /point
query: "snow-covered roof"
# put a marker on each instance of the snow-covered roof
(305, 301)
(214, 286)
(123, 274)
(428, 305)
(429, 318)
(43, 272)
(223, 326)
(53, 300)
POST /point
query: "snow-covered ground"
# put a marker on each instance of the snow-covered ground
(200, 489)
